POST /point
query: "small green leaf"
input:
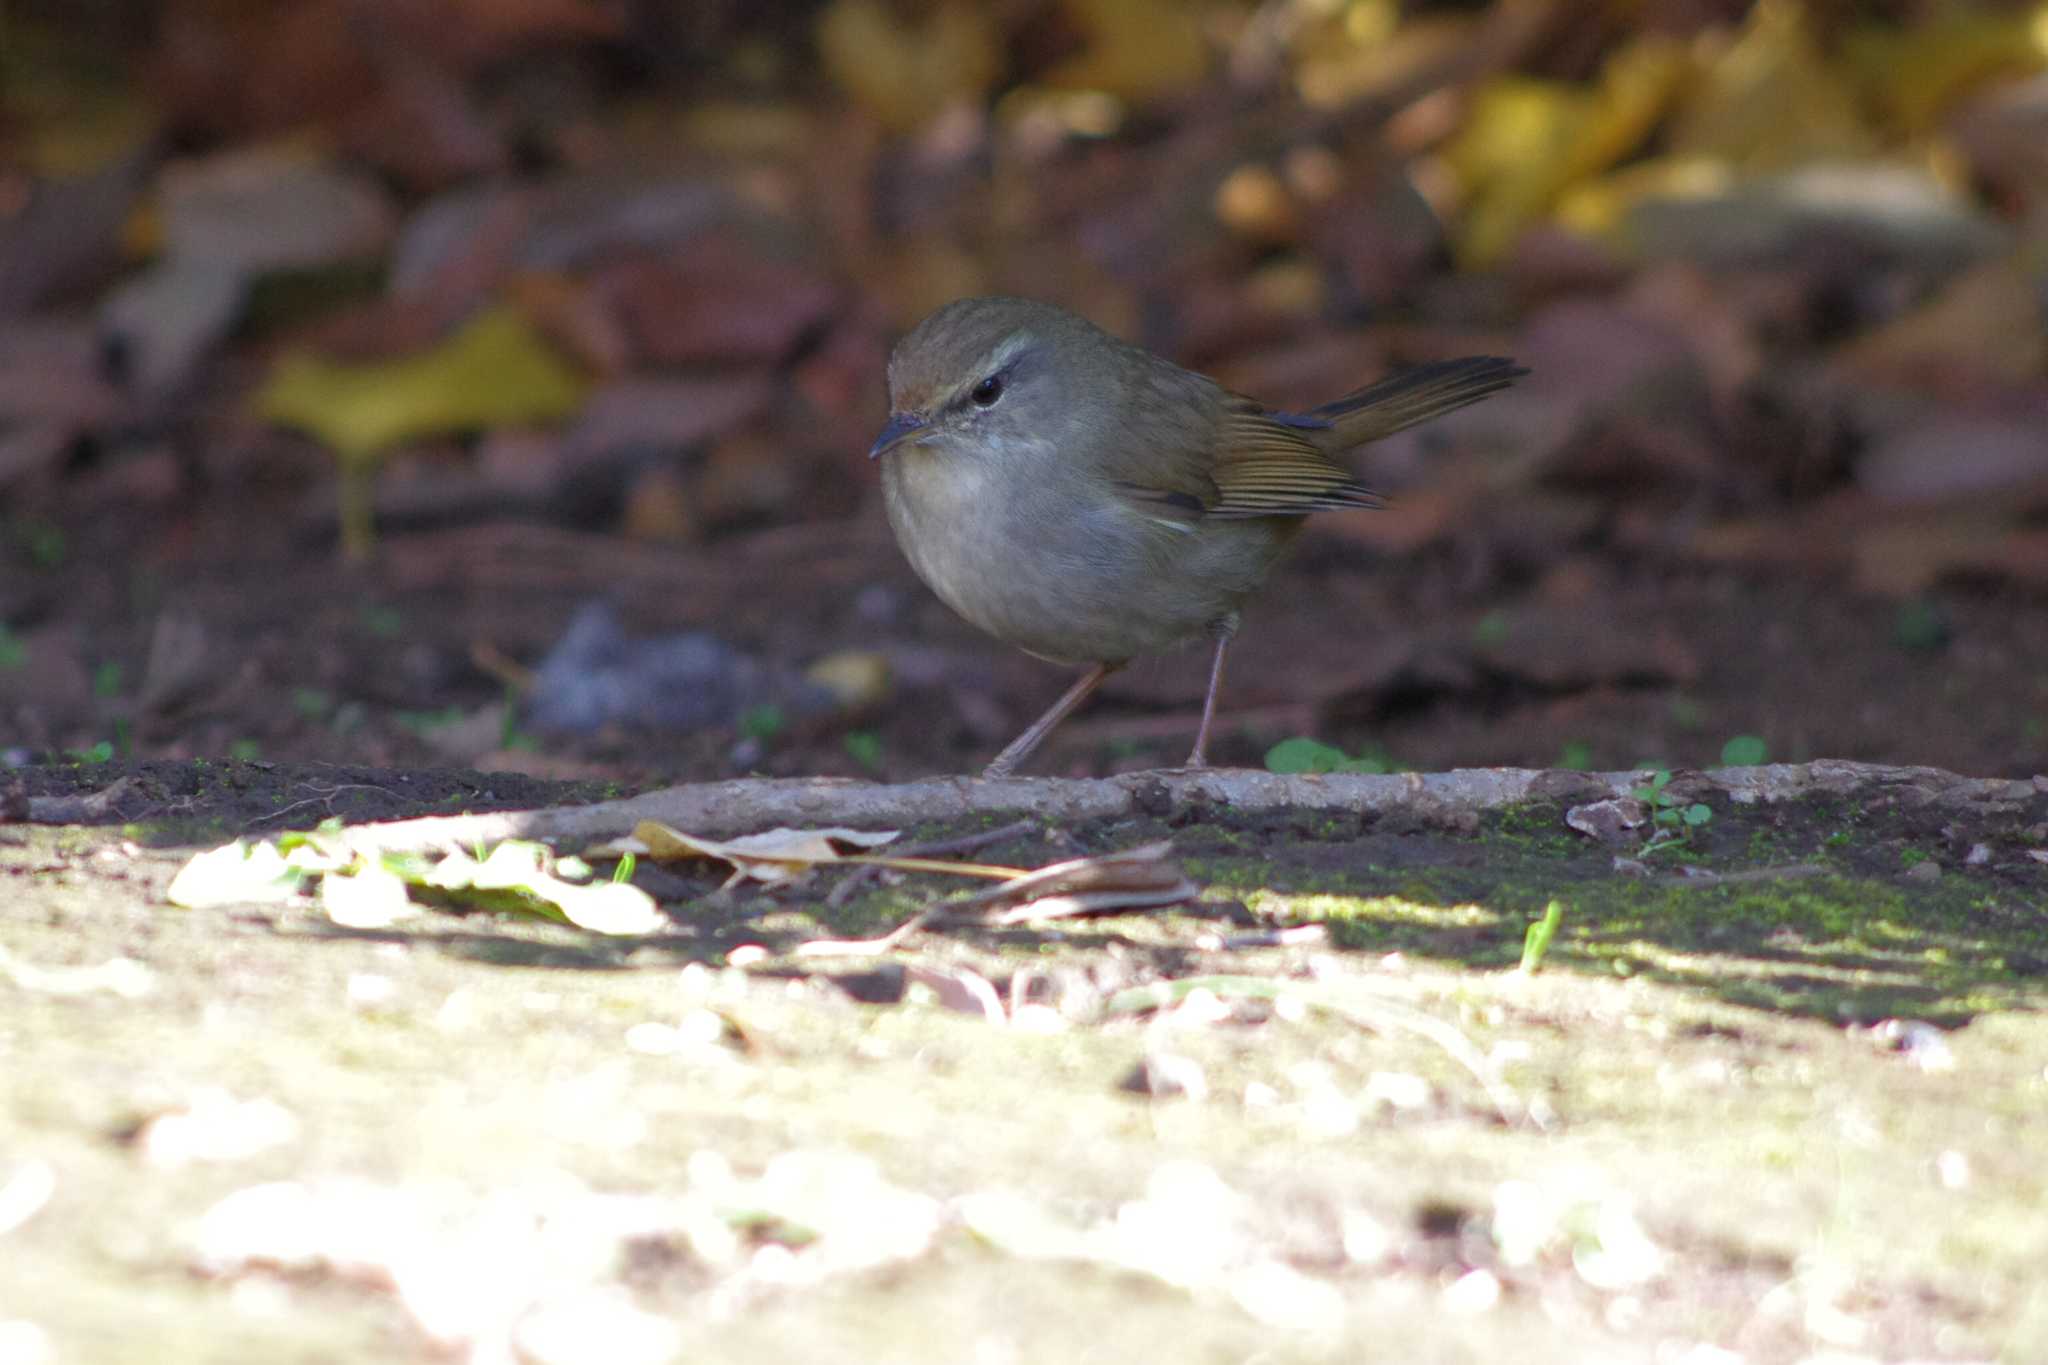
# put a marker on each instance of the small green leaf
(46, 545)
(866, 748)
(1490, 629)
(1302, 755)
(1744, 751)
(426, 723)
(381, 621)
(763, 722)
(1698, 813)
(1920, 625)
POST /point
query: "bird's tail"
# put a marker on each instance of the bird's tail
(1400, 401)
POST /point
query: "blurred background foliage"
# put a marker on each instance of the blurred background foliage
(527, 283)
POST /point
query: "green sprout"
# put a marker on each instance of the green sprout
(1302, 755)
(1674, 823)
(1536, 942)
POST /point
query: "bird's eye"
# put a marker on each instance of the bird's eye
(988, 391)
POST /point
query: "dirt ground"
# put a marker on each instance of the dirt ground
(1770, 1098)
(236, 632)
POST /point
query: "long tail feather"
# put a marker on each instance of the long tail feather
(1412, 396)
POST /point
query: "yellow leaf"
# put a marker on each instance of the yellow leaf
(1511, 156)
(496, 371)
(1771, 100)
(1528, 141)
(1599, 207)
(903, 71)
(854, 677)
(1919, 72)
(1135, 49)
(1637, 88)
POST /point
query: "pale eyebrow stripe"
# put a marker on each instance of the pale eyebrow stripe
(1007, 350)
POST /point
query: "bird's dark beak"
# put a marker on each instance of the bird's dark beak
(902, 426)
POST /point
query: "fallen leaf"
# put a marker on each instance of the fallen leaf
(1960, 455)
(1982, 326)
(905, 71)
(772, 856)
(271, 207)
(1771, 99)
(240, 873)
(1136, 50)
(961, 990)
(369, 898)
(1143, 878)
(495, 371)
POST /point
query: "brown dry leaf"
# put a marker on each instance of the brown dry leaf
(1909, 553)
(960, 989)
(716, 304)
(628, 417)
(1597, 361)
(1143, 878)
(905, 71)
(772, 856)
(1996, 457)
(1985, 324)
(272, 207)
(1589, 642)
(659, 507)
(2003, 135)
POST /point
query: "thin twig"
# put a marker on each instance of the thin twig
(860, 877)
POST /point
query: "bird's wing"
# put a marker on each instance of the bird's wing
(1265, 463)
(1258, 464)
(1268, 464)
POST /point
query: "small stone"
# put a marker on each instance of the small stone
(1608, 821)
(1166, 1075)
(1921, 1042)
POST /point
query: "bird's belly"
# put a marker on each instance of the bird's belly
(1097, 583)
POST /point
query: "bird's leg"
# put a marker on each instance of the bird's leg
(1020, 748)
(1224, 630)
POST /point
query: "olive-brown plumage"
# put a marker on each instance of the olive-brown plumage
(1088, 501)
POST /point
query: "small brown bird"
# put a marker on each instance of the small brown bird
(1088, 502)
